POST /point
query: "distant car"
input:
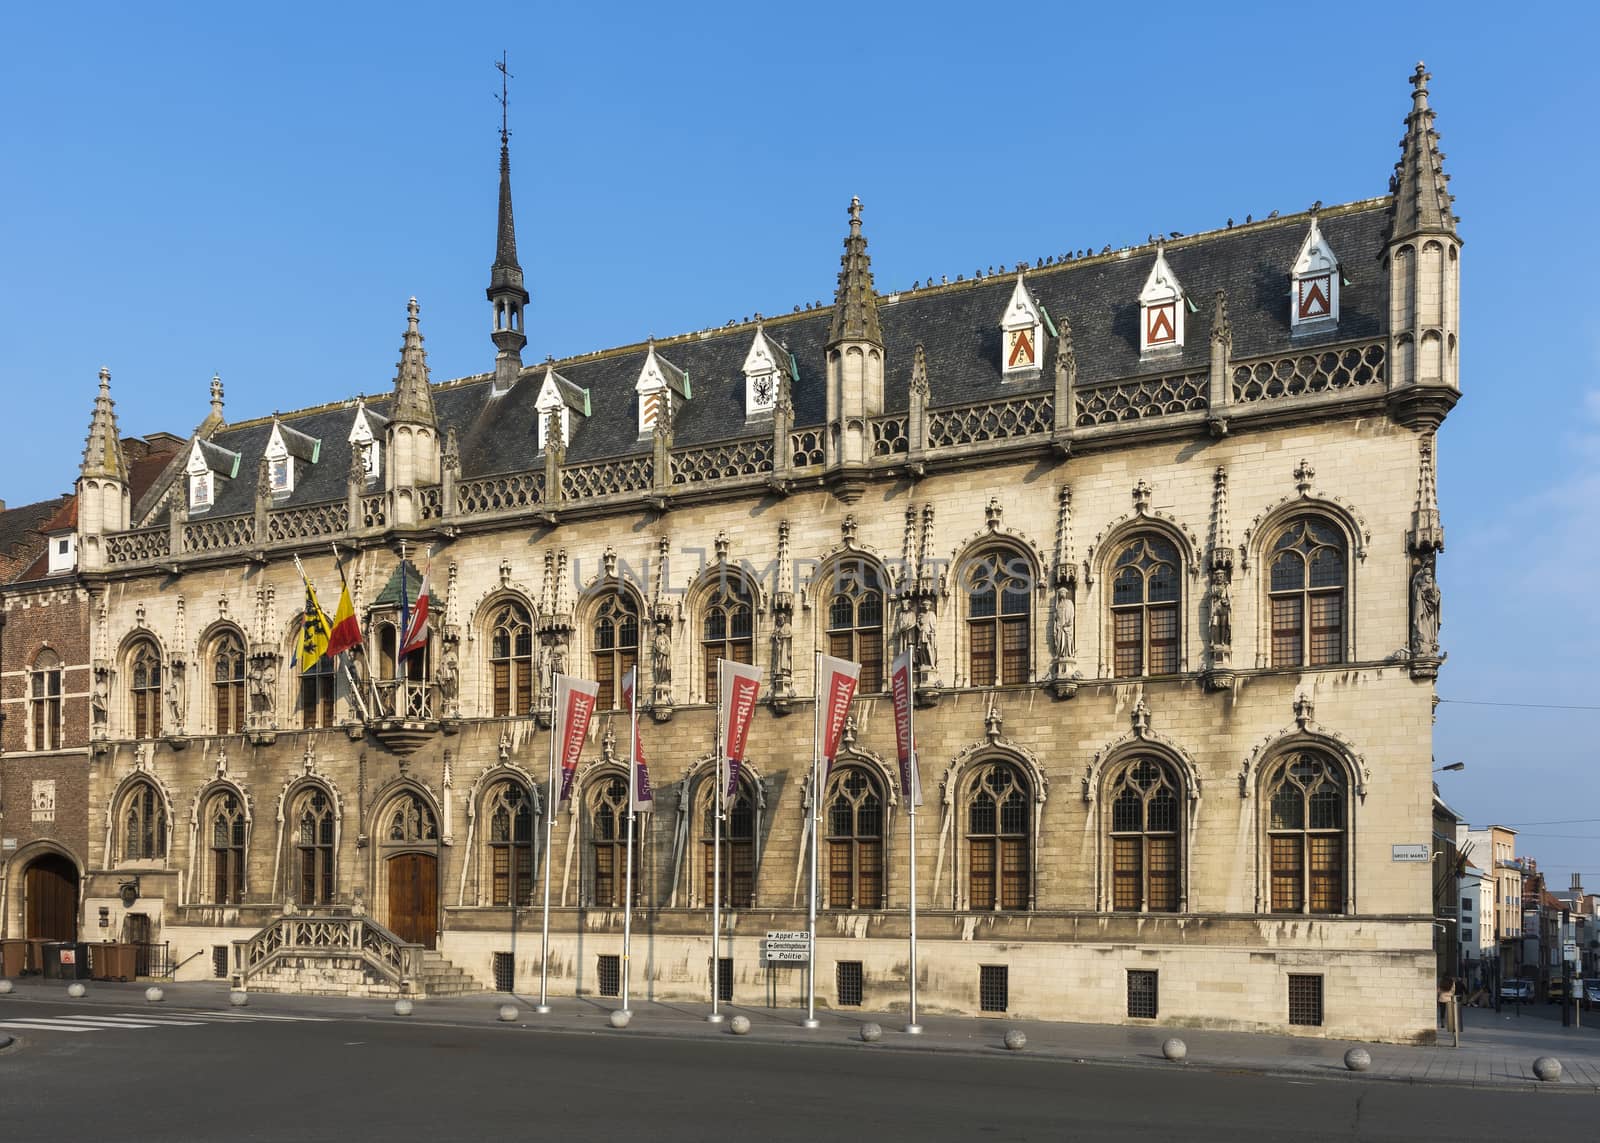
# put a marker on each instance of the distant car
(1591, 993)
(1519, 990)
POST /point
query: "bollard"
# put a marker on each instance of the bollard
(739, 1025)
(1358, 1059)
(620, 1017)
(871, 1033)
(1015, 1041)
(402, 1007)
(1547, 1068)
(154, 995)
(76, 990)
(508, 1013)
(238, 998)
(5, 987)
(1175, 1050)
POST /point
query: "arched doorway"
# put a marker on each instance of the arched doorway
(410, 843)
(50, 896)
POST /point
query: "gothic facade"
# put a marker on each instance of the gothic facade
(1161, 523)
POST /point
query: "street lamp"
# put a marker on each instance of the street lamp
(1450, 766)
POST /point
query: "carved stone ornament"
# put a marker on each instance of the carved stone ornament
(1426, 602)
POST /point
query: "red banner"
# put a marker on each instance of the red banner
(575, 703)
(643, 796)
(740, 686)
(837, 679)
(900, 686)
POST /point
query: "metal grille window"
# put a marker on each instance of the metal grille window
(738, 850)
(994, 987)
(725, 979)
(1144, 838)
(511, 661)
(608, 971)
(999, 614)
(144, 690)
(616, 645)
(228, 828)
(1306, 800)
(847, 982)
(855, 622)
(1305, 1000)
(314, 847)
(144, 824)
(997, 839)
(610, 816)
(510, 845)
(1144, 608)
(227, 684)
(505, 972)
(1306, 594)
(316, 694)
(45, 701)
(855, 840)
(728, 630)
(219, 961)
(1143, 996)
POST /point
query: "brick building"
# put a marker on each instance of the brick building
(1160, 523)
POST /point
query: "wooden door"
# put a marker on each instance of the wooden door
(414, 897)
(50, 888)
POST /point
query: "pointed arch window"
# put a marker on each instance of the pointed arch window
(44, 700)
(728, 628)
(510, 812)
(511, 660)
(228, 832)
(998, 874)
(1144, 607)
(144, 824)
(314, 850)
(610, 816)
(999, 618)
(411, 820)
(1144, 838)
(227, 683)
(1307, 809)
(144, 689)
(738, 847)
(317, 690)
(616, 644)
(854, 819)
(855, 621)
(1307, 594)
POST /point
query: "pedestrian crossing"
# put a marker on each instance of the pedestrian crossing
(126, 1021)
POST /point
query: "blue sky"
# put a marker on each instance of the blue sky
(256, 192)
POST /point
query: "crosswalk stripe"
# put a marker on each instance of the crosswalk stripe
(133, 1022)
(50, 1026)
(257, 1016)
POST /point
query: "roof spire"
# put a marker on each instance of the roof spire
(855, 306)
(1421, 199)
(102, 452)
(214, 419)
(413, 398)
(506, 291)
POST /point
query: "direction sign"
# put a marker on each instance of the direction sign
(786, 956)
(787, 936)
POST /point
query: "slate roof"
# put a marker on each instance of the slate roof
(958, 325)
(22, 530)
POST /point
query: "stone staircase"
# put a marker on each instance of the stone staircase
(441, 978)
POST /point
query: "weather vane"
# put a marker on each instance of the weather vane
(504, 98)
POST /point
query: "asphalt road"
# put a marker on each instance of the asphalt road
(251, 1078)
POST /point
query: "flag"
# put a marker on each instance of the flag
(416, 625)
(313, 628)
(346, 632)
(575, 703)
(740, 684)
(643, 796)
(837, 679)
(900, 686)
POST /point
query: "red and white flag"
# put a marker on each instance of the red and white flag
(416, 634)
(741, 685)
(575, 703)
(836, 679)
(644, 798)
(900, 686)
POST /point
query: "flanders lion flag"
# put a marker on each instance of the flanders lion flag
(313, 629)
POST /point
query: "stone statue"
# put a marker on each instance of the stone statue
(783, 646)
(1425, 603)
(558, 653)
(905, 628)
(100, 698)
(1221, 611)
(449, 677)
(661, 656)
(927, 642)
(1064, 624)
(174, 697)
(263, 683)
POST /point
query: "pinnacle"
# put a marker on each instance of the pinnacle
(413, 396)
(1422, 202)
(102, 450)
(855, 307)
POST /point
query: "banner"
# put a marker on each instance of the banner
(741, 684)
(836, 679)
(643, 796)
(346, 631)
(900, 685)
(575, 703)
(313, 628)
(416, 633)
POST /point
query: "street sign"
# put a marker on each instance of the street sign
(788, 936)
(786, 956)
(1418, 852)
(786, 947)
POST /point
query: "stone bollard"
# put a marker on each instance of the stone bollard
(76, 990)
(620, 1017)
(5, 987)
(402, 1007)
(871, 1033)
(1015, 1040)
(154, 995)
(508, 1013)
(238, 998)
(1358, 1059)
(1175, 1050)
(1547, 1068)
(739, 1025)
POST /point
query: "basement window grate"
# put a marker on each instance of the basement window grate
(725, 979)
(219, 961)
(609, 970)
(1143, 997)
(505, 972)
(994, 987)
(848, 982)
(1305, 1000)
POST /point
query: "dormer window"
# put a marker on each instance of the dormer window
(661, 386)
(560, 396)
(1021, 334)
(285, 447)
(765, 368)
(63, 553)
(364, 440)
(208, 463)
(1314, 300)
(1161, 305)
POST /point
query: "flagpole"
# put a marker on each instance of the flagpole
(716, 857)
(553, 803)
(633, 793)
(811, 1020)
(912, 1027)
(350, 675)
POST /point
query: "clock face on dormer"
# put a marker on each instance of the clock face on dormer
(761, 390)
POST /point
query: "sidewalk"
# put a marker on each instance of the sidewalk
(1497, 1049)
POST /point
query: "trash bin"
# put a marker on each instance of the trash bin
(13, 956)
(112, 961)
(66, 960)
